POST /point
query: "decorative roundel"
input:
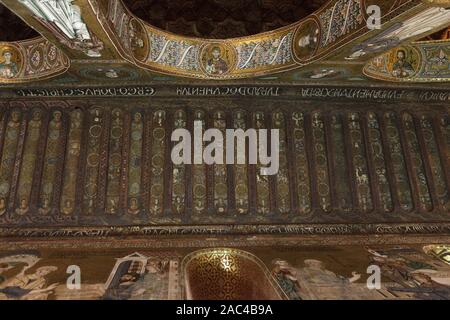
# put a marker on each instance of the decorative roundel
(36, 58)
(217, 59)
(199, 190)
(11, 61)
(139, 40)
(306, 40)
(157, 190)
(51, 54)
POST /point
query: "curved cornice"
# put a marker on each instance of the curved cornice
(323, 33)
(31, 60)
(425, 61)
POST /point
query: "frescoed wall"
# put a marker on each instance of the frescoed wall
(297, 273)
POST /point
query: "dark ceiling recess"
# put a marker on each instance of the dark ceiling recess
(13, 28)
(440, 35)
(221, 18)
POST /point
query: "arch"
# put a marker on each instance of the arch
(228, 274)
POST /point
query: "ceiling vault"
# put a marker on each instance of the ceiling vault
(106, 32)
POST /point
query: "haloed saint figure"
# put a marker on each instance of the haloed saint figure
(8, 68)
(216, 65)
(402, 68)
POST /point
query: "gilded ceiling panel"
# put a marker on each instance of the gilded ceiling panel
(110, 165)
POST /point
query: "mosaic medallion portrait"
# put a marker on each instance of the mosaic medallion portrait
(139, 41)
(306, 40)
(217, 59)
(10, 62)
(402, 63)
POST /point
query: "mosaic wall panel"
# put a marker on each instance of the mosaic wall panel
(179, 171)
(397, 161)
(52, 162)
(340, 19)
(435, 161)
(419, 62)
(262, 181)
(378, 160)
(417, 163)
(199, 179)
(321, 163)
(335, 24)
(273, 51)
(220, 176)
(342, 185)
(282, 178)
(158, 161)
(72, 162)
(135, 163)
(240, 170)
(28, 165)
(96, 134)
(111, 165)
(361, 171)
(115, 162)
(30, 60)
(301, 163)
(10, 141)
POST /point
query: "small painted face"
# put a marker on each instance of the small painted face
(23, 203)
(199, 115)
(137, 117)
(216, 53)
(76, 115)
(7, 55)
(117, 113)
(15, 116)
(37, 115)
(161, 115)
(152, 266)
(220, 115)
(180, 115)
(57, 116)
(401, 55)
